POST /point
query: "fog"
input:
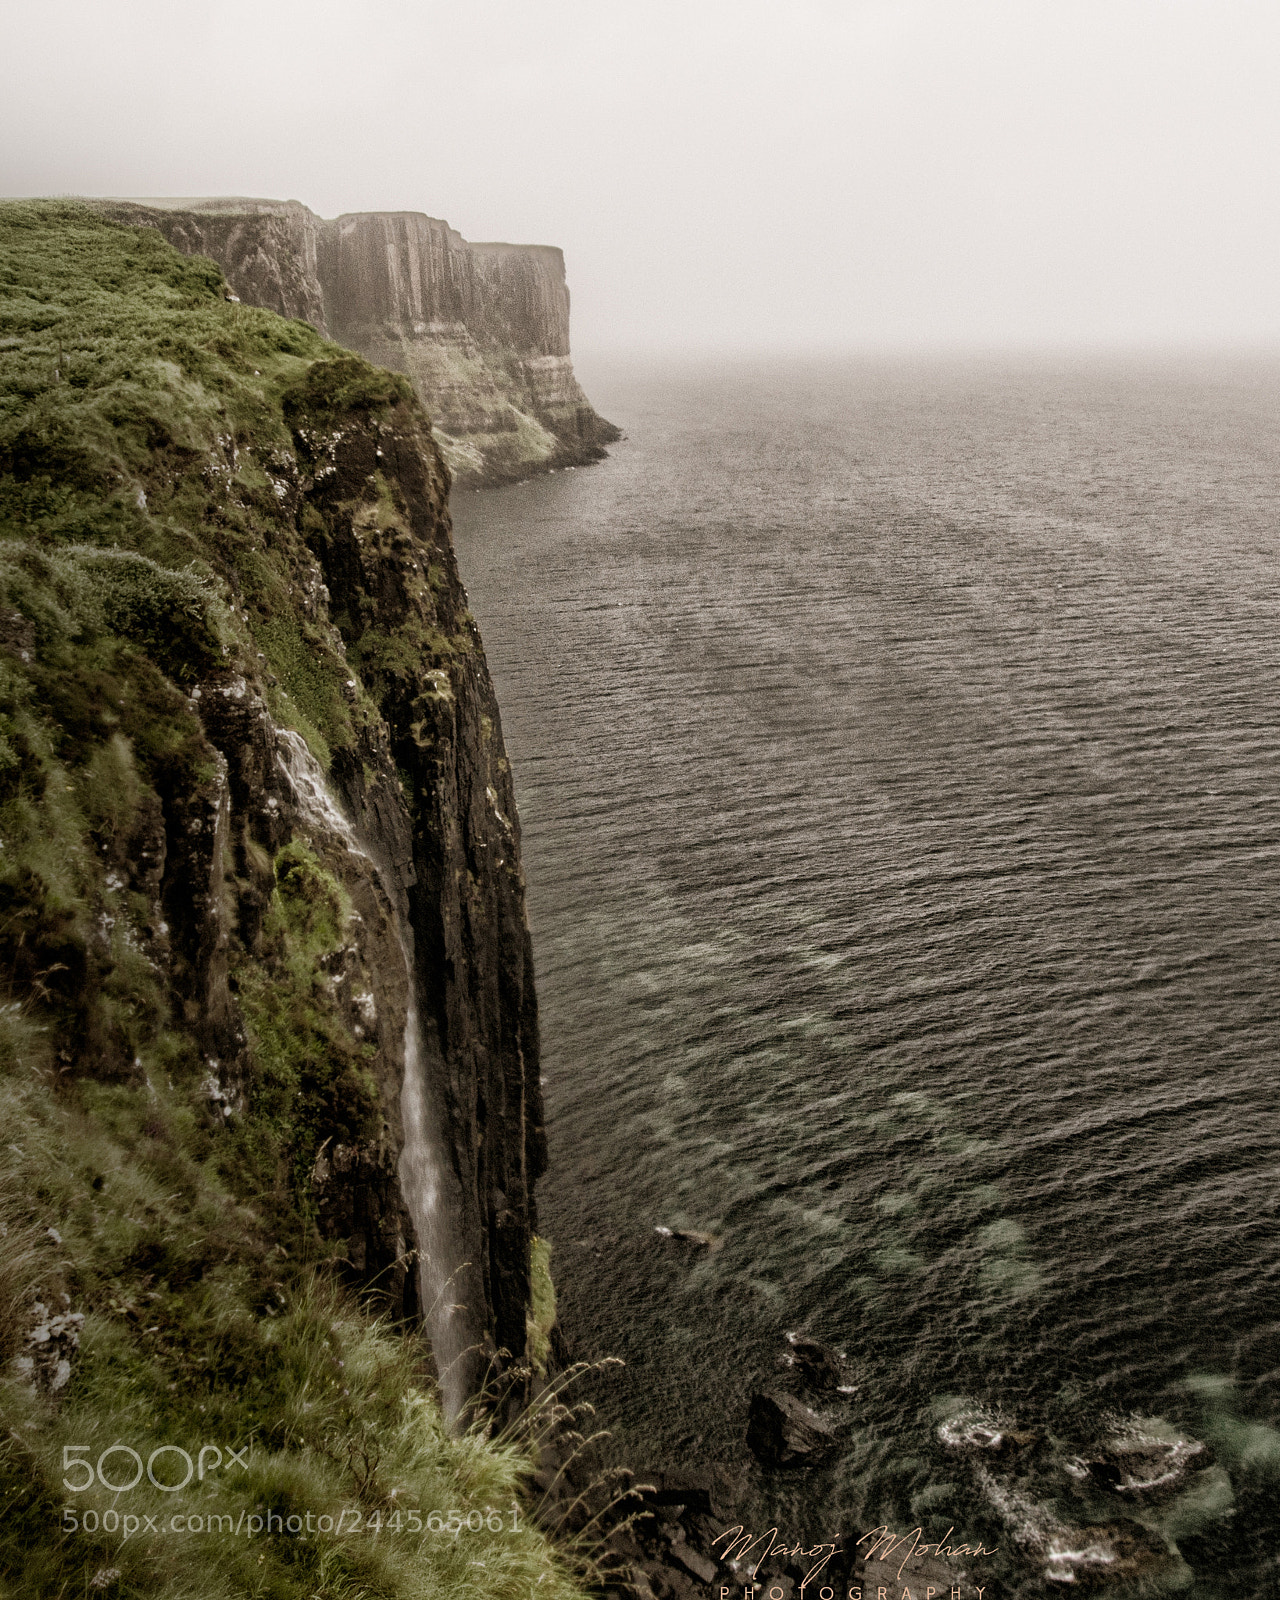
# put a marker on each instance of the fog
(807, 174)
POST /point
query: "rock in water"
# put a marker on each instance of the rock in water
(783, 1431)
(701, 1241)
(1147, 1467)
(815, 1364)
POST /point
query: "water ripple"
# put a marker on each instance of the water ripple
(898, 754)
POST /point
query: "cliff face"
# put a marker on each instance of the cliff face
(482, 330)
(260, 875)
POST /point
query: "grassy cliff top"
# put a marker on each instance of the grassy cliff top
(142, 410)
(165, 1297)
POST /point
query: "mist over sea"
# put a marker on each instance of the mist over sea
(898, 758)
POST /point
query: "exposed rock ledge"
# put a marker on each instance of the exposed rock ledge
(482, 330)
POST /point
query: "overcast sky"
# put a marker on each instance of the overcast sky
(807, 172)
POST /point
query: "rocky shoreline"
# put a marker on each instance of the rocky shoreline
(673, 1534)
(662, 1534)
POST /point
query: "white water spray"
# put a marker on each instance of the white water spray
(422, 1160)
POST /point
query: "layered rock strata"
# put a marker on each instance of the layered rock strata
(482, 330)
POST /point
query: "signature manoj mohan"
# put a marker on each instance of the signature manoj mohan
(882, 1544)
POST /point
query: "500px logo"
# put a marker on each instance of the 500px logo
(125, 1473)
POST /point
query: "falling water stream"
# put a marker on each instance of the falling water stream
(422, 1160)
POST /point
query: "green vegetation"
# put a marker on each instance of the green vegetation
(197, 1333)
(162, 1283)
(332, 390)
(310, 1081)
(142, 411)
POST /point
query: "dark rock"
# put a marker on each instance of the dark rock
(678, 1489)
(920, 1573)
(692, 1562)
(623, 1542)
(816, 1365)
(670, 1583)
(1145, 1468)
(783, 1431)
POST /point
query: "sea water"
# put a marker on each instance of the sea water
(897, 748)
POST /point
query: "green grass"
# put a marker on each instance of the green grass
(142, 411)
(310, 1069)
(199, 1330)
(149, 541)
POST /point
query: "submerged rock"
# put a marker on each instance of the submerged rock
(988, 1433)
(692, 1236)
(816, 1365)
(1143, 1459)
(1118, 1551)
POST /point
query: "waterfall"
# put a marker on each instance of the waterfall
(422, 1170)
(423, 1162)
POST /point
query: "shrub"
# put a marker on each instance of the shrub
(332, 388)
(176, 616)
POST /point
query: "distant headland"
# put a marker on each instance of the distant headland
(481, 330)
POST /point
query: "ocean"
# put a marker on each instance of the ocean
(897, 748)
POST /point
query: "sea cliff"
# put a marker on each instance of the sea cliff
(268, 1033)
(481, 330)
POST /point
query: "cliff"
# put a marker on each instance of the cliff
(268, 1023)
(481, 330)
